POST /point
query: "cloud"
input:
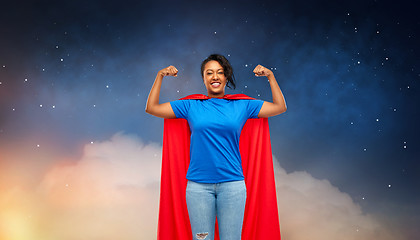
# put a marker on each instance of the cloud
(109, 172)
(314, 209)
(112, 192)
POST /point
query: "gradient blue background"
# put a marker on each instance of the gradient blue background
(75, 72)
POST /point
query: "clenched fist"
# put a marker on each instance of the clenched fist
(169, 71)
(262, 71)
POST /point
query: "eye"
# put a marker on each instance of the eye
(220, 73)
(209, 73)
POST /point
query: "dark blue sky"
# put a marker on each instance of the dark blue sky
(77, 72)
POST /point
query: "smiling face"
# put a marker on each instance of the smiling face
(214, 79)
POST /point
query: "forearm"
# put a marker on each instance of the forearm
(277, 95)
(153, 99)
(153, 106)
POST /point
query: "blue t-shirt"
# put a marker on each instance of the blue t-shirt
(216, 126)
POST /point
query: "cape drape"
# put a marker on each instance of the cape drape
(261, 219)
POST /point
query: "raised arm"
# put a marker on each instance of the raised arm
(278, 105)
(153, 107)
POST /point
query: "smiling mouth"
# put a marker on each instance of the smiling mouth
(215, 84)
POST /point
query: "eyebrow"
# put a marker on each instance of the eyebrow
(212, 69)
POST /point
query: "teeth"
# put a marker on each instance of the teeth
(216, 84)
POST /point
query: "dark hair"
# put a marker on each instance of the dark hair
(227, 68)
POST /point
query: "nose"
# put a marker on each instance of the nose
(215, 76)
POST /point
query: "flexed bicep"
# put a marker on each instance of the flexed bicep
(278, 105)
(153, 107)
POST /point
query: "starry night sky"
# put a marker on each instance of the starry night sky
(74, 73)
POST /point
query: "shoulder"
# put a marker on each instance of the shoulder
(186, 103)
(247, 101)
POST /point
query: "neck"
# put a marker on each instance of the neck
(219, 95)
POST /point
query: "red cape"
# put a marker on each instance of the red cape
(261, 219)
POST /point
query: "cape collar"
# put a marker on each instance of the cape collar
(227, 96)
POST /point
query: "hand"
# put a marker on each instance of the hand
(262, 71)
(169, 71)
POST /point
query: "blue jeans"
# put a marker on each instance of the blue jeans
(225, 200)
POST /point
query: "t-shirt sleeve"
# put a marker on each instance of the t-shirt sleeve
(254, 107)
(181, 108)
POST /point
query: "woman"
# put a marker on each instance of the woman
(215, 180)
